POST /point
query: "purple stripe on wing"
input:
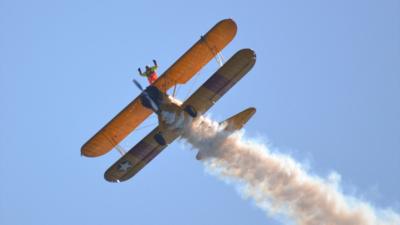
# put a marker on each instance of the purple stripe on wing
(218, 84)
(141, 149)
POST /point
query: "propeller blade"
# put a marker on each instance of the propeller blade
(146, 95)
(138, 84)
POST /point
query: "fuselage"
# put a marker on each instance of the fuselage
(171, 116)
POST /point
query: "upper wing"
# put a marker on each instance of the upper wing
(198, 55)
(180, 72)
(222, 80)
(134, 160)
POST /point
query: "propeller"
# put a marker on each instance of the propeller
(147, 96)
(138, 85)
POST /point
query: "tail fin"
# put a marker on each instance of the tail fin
(235, 122)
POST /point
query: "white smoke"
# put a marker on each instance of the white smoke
(277, 183)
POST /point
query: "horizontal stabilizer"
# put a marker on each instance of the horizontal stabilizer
(237, 121)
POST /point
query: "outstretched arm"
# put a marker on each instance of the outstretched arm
(140, 72)
(155, 67)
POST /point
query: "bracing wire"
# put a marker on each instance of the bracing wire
(145, 126)
(192, 84)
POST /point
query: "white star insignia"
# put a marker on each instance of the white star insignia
(124, 166)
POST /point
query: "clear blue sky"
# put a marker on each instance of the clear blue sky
(326, 86)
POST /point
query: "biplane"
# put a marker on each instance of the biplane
(171, 113)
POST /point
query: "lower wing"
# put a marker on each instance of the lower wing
(222, 80)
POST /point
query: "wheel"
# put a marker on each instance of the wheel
(160, 139)
(191, 111)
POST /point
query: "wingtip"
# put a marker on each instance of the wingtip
(112, 179)
(228, 25)
(229, 20)
(82, 151)
(85, 152)
(89, 150)
(252, 110)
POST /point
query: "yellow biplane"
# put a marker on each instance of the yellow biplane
(171, 113)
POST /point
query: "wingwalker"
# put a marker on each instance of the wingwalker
(171, 113)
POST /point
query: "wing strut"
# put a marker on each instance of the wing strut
(120, 149)
(218, 55)
(174, 92)
(220, 59)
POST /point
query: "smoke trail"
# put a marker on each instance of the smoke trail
(276, 182)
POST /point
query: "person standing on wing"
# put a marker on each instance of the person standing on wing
(150, 72)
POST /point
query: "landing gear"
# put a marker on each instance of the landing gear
(160, 139)
(191, 111)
